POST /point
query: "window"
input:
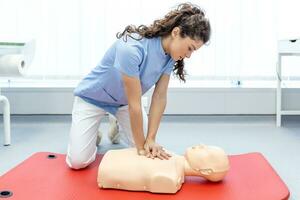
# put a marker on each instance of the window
(72, 35)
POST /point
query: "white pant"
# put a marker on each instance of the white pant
(86, 120)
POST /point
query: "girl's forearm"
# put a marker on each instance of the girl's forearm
(136, 122)
(157, 108)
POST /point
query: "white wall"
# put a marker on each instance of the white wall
(180, 100)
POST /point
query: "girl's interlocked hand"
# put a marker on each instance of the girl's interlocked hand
(154, 150)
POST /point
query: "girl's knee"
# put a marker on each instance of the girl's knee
(78, 162)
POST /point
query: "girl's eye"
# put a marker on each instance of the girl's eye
(190, 49)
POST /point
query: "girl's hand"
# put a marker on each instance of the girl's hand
(155, 150)
(141, 152)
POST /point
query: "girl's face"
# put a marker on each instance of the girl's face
(180, 47)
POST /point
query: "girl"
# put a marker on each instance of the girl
(142, 57)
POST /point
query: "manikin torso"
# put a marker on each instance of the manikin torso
(124, 169)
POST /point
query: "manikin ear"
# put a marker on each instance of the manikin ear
(206, 171)
(175, 32)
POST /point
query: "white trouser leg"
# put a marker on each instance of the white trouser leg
(82, 147)
(123, 118)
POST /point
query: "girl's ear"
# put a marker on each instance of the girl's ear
(175, 32)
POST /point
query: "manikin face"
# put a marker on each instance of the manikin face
(207, 159)
(181, 48)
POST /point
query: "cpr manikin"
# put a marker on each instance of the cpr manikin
(125, 169)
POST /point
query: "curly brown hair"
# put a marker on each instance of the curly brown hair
(188, 17)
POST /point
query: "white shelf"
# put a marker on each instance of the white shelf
(285, 48)
(290, 112)
(289, 46)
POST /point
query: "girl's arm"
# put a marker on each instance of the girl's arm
(133, 92)
(158, 104)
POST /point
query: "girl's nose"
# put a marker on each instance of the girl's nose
(188, 55)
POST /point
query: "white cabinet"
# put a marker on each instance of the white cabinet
(285, 48)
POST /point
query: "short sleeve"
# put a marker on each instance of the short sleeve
(128, 58)
(169, 68)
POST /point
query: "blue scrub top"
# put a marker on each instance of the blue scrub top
(144, 59)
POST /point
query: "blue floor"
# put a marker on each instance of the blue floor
(235, 134)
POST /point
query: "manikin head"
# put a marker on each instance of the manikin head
(210, 162)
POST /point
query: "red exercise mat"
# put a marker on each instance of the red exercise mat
(250, 177)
